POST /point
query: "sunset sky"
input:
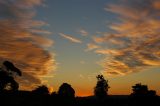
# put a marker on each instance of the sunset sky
(57, 41)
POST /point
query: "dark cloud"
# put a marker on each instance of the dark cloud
(23, 42)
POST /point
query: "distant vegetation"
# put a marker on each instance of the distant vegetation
(10, 95)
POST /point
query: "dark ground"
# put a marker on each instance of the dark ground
(26, 98)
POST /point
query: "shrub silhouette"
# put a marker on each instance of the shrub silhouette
(41, 90)
(139, 89)
(7, 81)
(102, 87)
(66, 91)
(141, 96)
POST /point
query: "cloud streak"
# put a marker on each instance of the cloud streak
(23, 42)
(70, 38)
(91, 46)
(83, 32)
(134, 44)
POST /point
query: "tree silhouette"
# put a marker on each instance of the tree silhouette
(139, 89)
(66, 91)
(7, 81)
(41, 90)
(141, 96)
(11, 68)
(102, 87)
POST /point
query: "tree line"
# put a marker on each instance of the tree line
(8, 83)
(40, 96)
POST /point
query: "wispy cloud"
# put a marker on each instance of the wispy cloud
(23, 43)
(91, 46)
(70, 38)
(135, 43)
(83, 32)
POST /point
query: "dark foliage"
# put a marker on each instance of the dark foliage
(102, 87)
(66, 91)
(139, 89)
(7, 81)
(41, 90)
(65, 96)
(10, 67)
(142, 96)
(25, 98)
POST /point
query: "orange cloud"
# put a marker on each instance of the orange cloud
(70, 38)
(91, 46)
(135, 43)
(99, 39)
(109, 52)
(22, 42)
(156, 4)
(122, 10)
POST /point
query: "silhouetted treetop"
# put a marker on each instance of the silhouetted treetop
(42, 90)
(7, 81)
(102, 87)
(139, 89)
(65, 90)
(10, 67)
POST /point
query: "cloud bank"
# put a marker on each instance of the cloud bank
(22, 41)
(134, 44)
